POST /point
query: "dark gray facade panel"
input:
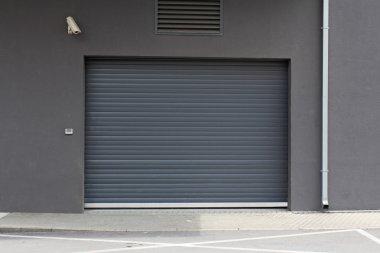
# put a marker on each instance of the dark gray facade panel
(42, 85)
(186, 131)
(354, 105)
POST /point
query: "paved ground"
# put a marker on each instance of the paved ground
(337, 241)
(191, 231)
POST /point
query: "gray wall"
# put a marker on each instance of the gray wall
(355, 105)
(42, 86)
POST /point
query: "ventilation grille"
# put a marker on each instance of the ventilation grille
(189, 17)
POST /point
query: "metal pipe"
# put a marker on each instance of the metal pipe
(325, 103)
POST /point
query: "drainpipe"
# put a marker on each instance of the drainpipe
(325, 103)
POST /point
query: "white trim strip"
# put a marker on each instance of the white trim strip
(186, 205)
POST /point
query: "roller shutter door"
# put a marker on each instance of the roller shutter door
(177, 133)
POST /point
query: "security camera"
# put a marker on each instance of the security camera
(72, 27)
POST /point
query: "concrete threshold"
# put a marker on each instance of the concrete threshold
(187, 220)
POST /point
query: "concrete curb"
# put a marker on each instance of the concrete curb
(4, 230)
(2, 215)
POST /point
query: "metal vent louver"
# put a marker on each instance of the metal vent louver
(188, 17)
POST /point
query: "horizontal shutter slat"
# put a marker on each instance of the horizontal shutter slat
(186, 131)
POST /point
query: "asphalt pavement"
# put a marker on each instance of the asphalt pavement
(269, 241)
(191, 231)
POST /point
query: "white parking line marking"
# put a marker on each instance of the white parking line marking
(123, 249)
(79, 239)
(274, 237)
(201, 247)
(369, 236)
(170, 244)
(254, 250)
(195, 244)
